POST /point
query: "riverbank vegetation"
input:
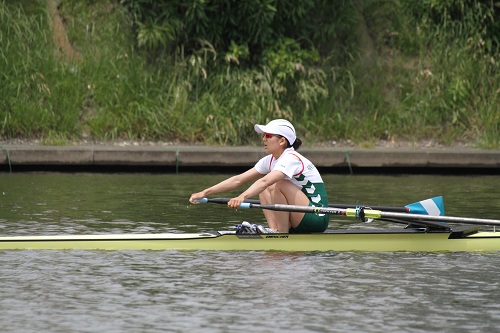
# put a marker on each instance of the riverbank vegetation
(199, 71)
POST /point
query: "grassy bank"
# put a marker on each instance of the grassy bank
(408, 79)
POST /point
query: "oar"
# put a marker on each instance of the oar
(433, 206)
(362, 213)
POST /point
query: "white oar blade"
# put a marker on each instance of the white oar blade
(433, 207)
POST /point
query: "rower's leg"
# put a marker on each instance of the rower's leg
(283, 192)
(265, 198)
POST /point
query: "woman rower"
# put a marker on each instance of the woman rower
(284, 176)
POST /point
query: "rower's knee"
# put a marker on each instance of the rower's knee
(267, 195)
(281, 185)
(286, 188)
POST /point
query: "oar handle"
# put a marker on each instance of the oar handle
(222, 201)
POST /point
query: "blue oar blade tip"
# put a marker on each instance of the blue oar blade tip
(433, 206)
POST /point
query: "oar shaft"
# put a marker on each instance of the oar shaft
(449, 219)
(384, 208)
(295, 208)
(371, 213)
(334, 205)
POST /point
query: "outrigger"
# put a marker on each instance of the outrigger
(423, 233)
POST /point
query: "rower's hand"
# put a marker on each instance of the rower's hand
(235, 202)
(196, 196)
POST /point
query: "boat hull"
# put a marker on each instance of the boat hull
(466, 240)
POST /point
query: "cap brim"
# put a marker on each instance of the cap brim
(260, 128)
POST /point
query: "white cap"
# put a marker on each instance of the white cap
(278, 126)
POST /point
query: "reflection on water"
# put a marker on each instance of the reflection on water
(172, 291)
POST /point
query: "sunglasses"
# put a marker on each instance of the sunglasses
(269, 135)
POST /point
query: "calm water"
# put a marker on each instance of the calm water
(171, 291)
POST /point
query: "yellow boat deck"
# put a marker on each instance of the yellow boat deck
(464, 239)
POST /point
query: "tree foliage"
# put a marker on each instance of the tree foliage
(244, 31)
(361, 70)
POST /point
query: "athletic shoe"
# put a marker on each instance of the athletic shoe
(246, 228)
(265, 230)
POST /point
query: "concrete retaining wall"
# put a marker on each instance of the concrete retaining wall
(33, 157)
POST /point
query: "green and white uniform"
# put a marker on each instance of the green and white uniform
(302, 173)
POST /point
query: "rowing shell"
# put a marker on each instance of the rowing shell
(461, 239)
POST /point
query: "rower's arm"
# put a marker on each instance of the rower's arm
(228, 184)
(257, 187)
